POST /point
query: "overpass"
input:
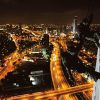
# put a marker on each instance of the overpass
(53, 93)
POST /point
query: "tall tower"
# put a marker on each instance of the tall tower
(96, 89)
(46, 31)
(74, 25)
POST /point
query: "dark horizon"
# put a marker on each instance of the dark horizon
(46, 11)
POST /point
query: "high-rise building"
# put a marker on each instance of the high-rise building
(96, 90)
(74, 25)
(45, 40)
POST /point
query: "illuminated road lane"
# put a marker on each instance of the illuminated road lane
(58, 78)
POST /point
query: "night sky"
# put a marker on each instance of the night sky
(47, 11)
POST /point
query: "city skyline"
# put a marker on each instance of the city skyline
(43, 61)
(49, 49)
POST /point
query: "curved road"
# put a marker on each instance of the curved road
(58, 78)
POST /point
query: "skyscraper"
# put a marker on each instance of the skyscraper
(96, 89)
(74, 25)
